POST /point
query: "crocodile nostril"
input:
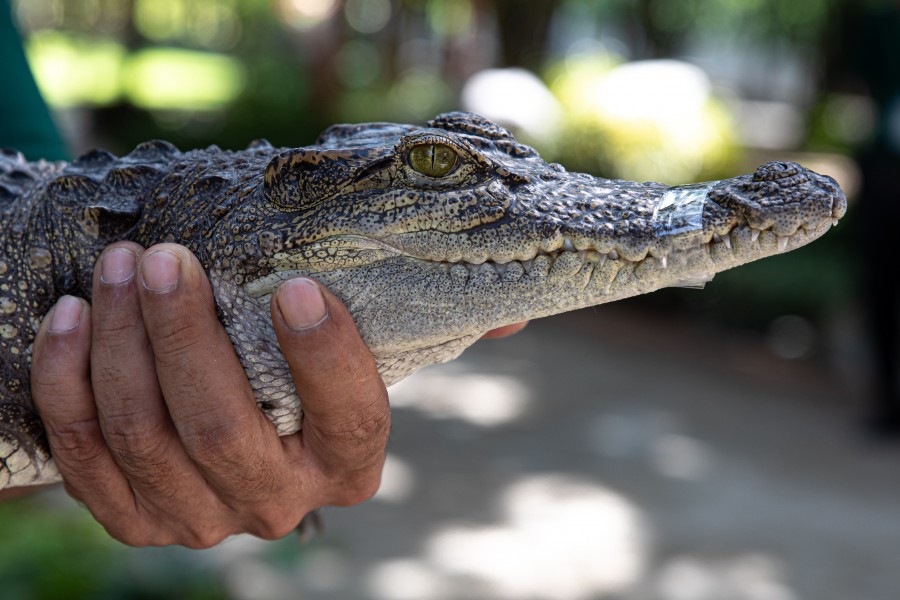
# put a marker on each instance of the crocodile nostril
(776, 170)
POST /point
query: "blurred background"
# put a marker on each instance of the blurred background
(734, 443)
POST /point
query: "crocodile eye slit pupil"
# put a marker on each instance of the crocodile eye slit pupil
(434, 160)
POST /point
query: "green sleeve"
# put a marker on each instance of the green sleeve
(25, 122)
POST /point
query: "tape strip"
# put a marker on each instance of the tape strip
(680, 209)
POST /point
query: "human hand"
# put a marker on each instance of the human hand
(504, 331)
(153, 424)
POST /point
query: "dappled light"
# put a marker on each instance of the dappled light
(479, 399)
(368, 16)
(646, 120)
(682, 457)
(77, 70)
(305, 14)
(73, 71)
(398, 481)
(496, 94)
(654, 438)
(170, 78)
(558, 538)
(745, 577)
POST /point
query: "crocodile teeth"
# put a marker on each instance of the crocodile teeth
(782, 243)
(568, 246)
(716, 238)
(754, 234)
(834, 223)
(727, 241)
(613, 255)
(527, 265)
(664, 261)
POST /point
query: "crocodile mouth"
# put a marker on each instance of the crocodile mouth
(727, 218)
(740, 239)
(741, 244)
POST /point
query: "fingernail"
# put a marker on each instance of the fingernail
(160, 271)
(301, 303)
(66, 315)
(117, 266)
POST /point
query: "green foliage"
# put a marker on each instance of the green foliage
(641, 129)
(797, 20)
(57, 553)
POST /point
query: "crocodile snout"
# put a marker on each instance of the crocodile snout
(783, 197)
(793, 180)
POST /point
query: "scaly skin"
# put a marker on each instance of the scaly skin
(431, 237)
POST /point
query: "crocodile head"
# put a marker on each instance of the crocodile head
(432, 236)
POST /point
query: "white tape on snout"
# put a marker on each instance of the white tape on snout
(680, 209)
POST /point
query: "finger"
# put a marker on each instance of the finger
(504, 331)
(130, 405)
(346, 417)
(206, 391)
(61, 388)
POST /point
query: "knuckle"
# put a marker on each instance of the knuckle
(146, 528)
(142, 449)
(236, 460)
(47, 383)
(370, 424)
(133, 432)
(215, 440)
(115, 385)
(173, 338)
(251, 485)
(137, 534)
(77, 442)
(57, 378)
(127, 537)
(274, 524)
(358, 488)
(255, 485)
(115, 332)
(143, 539)
(203, 538)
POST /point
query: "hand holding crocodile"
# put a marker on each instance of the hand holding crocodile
(153, 424)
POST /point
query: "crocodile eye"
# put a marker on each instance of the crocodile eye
(434, 160)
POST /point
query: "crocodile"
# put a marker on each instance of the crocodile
(430, 235)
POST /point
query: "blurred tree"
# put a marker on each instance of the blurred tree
(523, 27)
(863, 56)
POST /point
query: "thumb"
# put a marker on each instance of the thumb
(346, 416)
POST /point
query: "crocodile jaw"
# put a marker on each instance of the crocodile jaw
(415, 307)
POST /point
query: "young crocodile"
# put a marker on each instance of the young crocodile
(431, 236)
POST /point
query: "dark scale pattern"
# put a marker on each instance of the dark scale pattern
(425, 261)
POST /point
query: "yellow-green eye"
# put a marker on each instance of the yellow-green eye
(434, 160)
